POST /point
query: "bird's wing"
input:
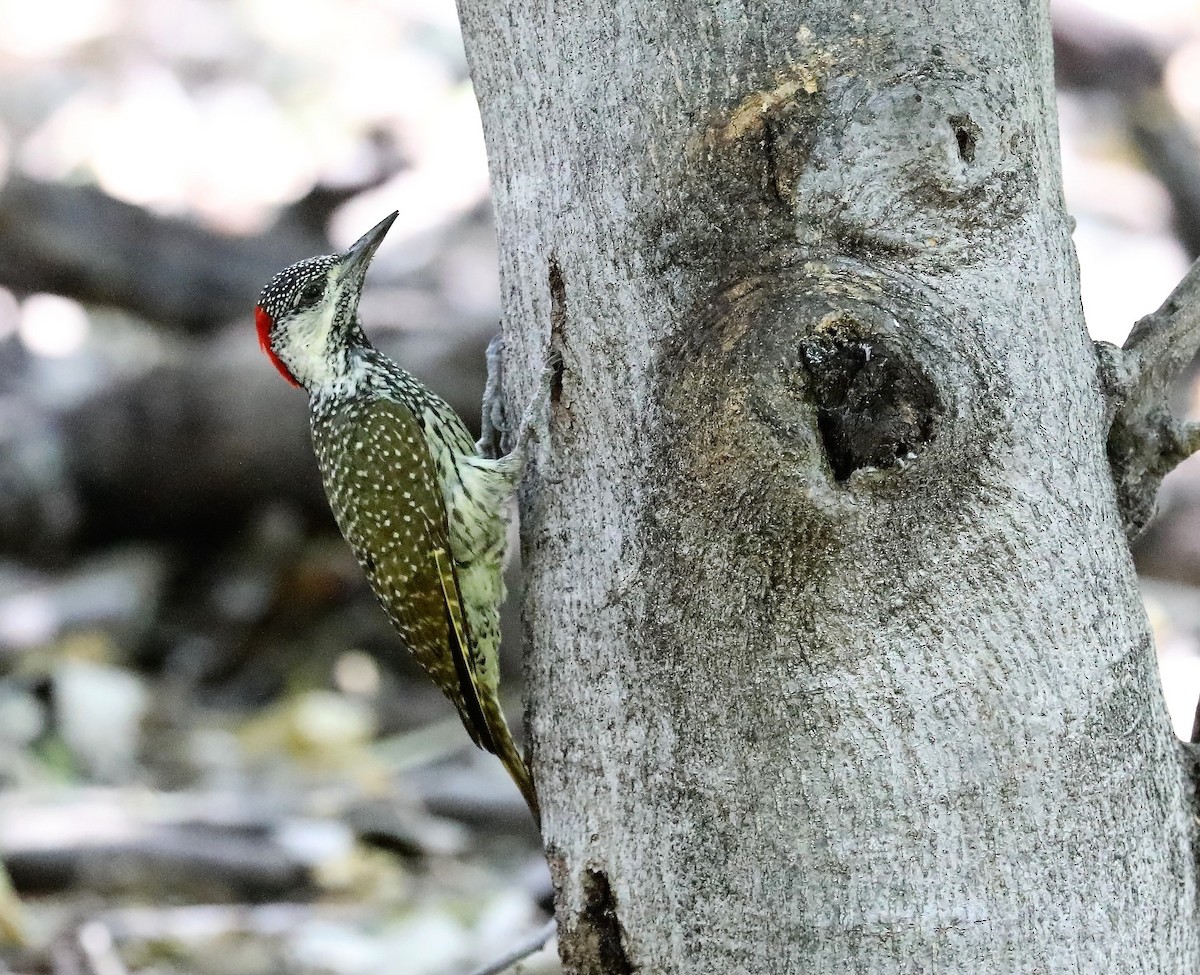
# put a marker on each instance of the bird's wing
(392, 511)
(460, 646)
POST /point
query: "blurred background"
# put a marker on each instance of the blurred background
(213, 760)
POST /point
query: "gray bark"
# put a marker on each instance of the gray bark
(837, 659)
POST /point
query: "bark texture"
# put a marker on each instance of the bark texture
(838, 663)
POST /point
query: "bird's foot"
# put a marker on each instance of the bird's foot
(492, 424)
(535, 421)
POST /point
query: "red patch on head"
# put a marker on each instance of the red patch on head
(262, 322)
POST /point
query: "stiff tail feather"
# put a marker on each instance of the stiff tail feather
(481, 712)
(512, 758)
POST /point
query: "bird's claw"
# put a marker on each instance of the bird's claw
(491, 424)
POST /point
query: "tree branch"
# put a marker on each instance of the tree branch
(1165, 341)
(535, 942)
(79, 242)
(1145, 439)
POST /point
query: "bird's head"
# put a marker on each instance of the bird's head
(307, 317)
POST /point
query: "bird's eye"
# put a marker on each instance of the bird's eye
(311, 294)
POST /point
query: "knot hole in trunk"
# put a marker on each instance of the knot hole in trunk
(876, 407)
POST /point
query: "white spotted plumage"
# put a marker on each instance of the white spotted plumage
(426, 516)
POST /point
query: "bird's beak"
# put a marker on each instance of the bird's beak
(358, 257)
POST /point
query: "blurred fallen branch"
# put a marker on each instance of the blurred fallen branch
(202, 922)
(215, 846)
(161, 862)
(1097, 53)
(124, 842)
(79, 242)
(186, 450)
(536, 942)
(183, 450)
(91, 947)
(1171, 152)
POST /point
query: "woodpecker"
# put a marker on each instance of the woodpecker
(424, 511)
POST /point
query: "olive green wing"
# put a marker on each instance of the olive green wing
(390, 507)
(478, 726)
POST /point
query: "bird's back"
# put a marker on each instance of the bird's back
(385, 491)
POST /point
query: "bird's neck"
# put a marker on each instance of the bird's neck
(338, 368)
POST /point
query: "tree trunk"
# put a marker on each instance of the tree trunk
(838, 662)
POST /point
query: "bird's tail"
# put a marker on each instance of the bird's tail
(512, 759)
